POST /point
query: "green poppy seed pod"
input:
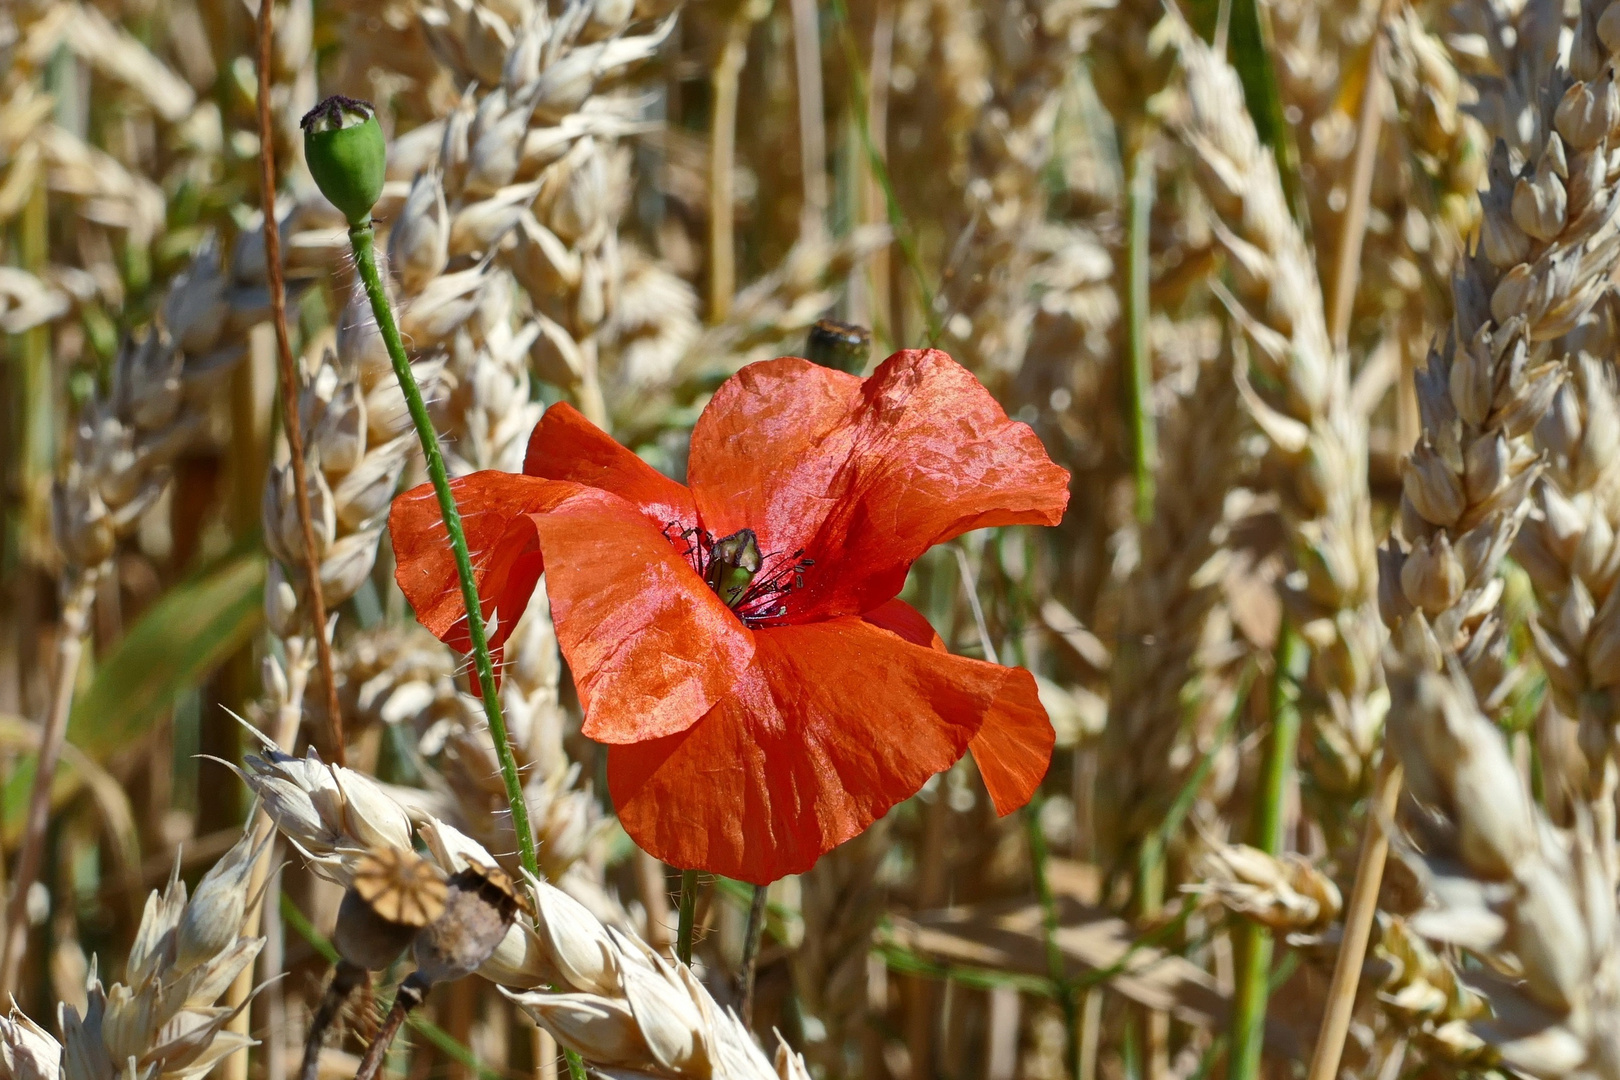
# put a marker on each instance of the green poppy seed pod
(839, 345)
(347, 154)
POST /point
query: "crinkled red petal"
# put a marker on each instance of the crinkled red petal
(650, 646)
(1013, 747)
(831, 725)
(864, 475)
(566, 446)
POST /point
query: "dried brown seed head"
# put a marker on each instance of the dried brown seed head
(500, 890)
(401, 886)
(478, 911)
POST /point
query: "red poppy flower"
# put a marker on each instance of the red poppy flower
(737, 641)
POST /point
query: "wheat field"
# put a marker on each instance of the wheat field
(1165, 625)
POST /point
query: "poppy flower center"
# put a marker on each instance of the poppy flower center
(748, 582)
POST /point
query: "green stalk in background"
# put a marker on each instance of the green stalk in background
(1138, 356)
(1055, 969)
(1254, 944)
(347, 156)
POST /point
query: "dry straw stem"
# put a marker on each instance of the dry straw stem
(1534, 904)
(1353, 229)
(724, 77)
(1317, 441)
(291, 423)
(614, 1001)
(81, 592)
(1358, 923)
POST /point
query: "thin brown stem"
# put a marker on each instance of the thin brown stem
(346, 978)
(408, 998)
(1358, 920)
(75, 616)
(1346, 270)
(289, 386)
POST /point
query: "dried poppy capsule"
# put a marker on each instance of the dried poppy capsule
(347, 154)
(394, 894)
(478, 910)
(479, 906)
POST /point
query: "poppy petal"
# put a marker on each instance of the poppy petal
(791, 763)
(650, 646)
(425, 568)
(864, 475)
(1013, 747)
(566, 446)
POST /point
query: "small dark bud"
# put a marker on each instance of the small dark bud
(839, 345)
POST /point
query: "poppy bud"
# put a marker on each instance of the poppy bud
(839, 345)
(347, 154)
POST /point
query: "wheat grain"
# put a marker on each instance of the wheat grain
(617, 1003)
(1317, 439)
(1548, 243)
(1505, 885)
(163, 1021)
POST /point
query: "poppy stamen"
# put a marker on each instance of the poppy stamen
(749, 583)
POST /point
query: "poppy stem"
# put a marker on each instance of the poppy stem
(346, 978)
(365, 260)
(750, 956)
(688, 911)
(407, 997)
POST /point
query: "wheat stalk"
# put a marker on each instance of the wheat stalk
(1316, 437)
(615, 1002)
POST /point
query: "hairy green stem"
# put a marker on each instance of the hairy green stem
(688, 912)
(750, 957)
(1254, 944)
(365, 261)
